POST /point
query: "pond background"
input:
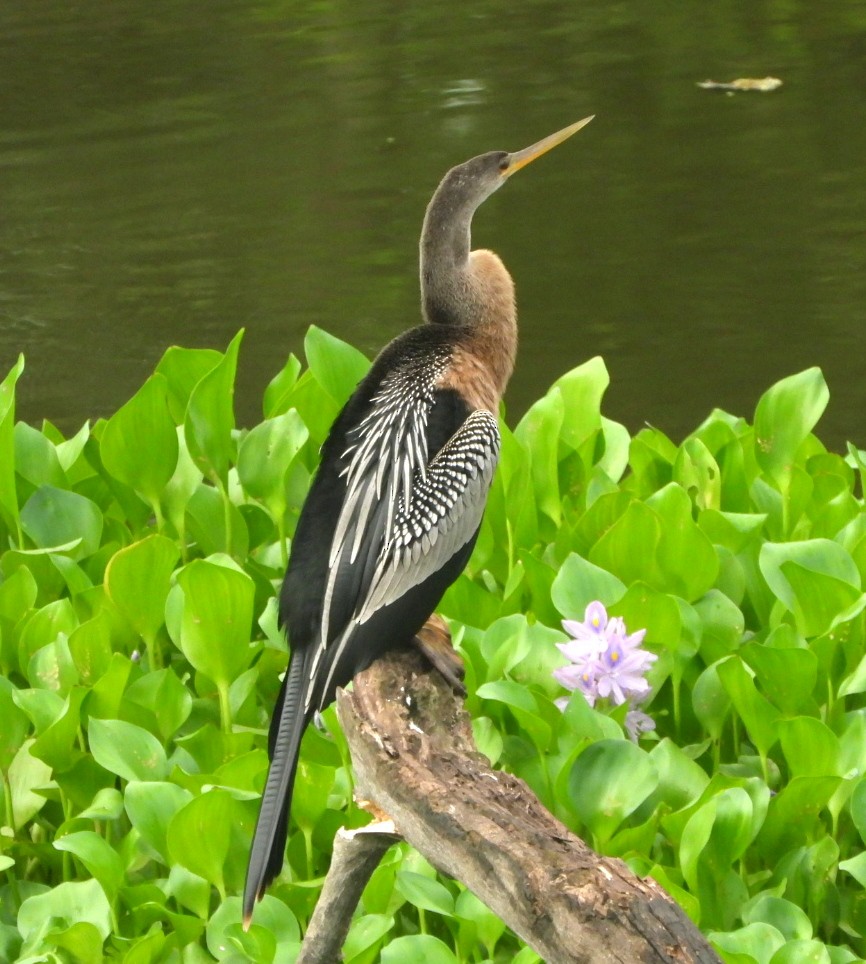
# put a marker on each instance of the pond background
(171, 172)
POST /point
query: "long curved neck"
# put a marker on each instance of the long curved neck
(469, 290)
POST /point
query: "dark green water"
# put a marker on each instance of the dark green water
(170, 172)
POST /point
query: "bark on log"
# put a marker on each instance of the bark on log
(415, 759)
(356, 855)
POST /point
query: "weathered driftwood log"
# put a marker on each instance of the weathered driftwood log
(415, 759)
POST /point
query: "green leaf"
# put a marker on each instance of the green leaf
(139, 442)
(265, 456)
(582, 390)
(753, 943)
(685, 555)
(811, 748)
(816, 580)
(97, 855)
(628, 548)
(336, 365)
(198, 836)
(127, 750)
(539, 431)
(210, 419)
(279, 388)
(580, 582)
(56, 517)
(137, 581)
(217, 620)
(15, 725)
(785, 415)
(417, 947)
(183, 369)
(426, 893)
(150, 807)
(802, 952)
(758, 715)
(791, 921)
(365, 933)
(608, 781)
(25, 775)
(71, 902)
(8, 491)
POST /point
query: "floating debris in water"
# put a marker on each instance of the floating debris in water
(762, 84)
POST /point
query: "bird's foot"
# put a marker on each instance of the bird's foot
(434, 642)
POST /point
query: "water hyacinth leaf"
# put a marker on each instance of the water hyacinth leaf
(417, 947)
(336, 365)
(98, 856)
(90, 648)
(582, 390)
(539, 432)
(106, 805)
(167, 699)
(36, 460)
(71, 902)
(310, 796)
(722, 625)
(139, 442)
(183, 369)
(25, 775)
(816, 579)
(274, 401)
(265, 456)
(733, 530)
(208, 817)
(710, 701)
(55, 744)
(425, 893)
(789, 919)
(811, 748)
(685, 554)
(216, 621)
(858, 808)
(15, 724)
(752, 944)
(608, 781)
(150, 807)
(56, 517)
(698, 473)
(628, 549)
(210, 420)
(52, 667)
(365, 934)
(802, 952)
(488, 927)
(579, 582)
(137, 581)
(794, 812)
(681, 779)
(757, 713)
(786, 413)
(787, 675)
(8, 490)
(127, 750)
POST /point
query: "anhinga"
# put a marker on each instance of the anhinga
(394, 510)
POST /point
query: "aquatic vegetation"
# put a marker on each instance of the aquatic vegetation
(140, 655)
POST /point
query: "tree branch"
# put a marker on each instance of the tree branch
(356, 855)
(415, 759)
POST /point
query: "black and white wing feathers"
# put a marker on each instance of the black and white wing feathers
(441, 516)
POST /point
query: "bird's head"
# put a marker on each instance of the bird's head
(471, 183)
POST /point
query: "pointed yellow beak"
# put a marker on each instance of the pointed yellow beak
(520, 159)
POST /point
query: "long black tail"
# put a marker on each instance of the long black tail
(269, 841)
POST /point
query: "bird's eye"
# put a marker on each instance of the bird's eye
(503, 164)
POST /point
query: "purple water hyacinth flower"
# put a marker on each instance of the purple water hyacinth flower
(607, 663)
